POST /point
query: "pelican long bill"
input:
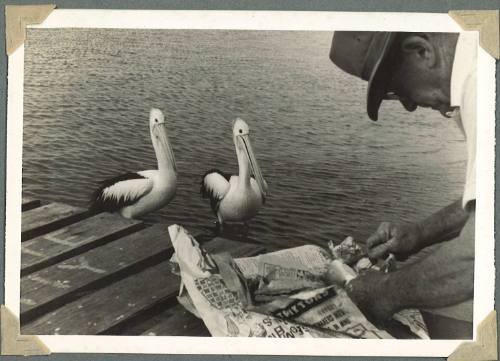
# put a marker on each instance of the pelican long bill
(254, 165)
(166, 147)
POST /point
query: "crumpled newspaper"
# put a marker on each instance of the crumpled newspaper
(278, 294)
(221, 309)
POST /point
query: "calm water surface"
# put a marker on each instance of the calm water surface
(331, 171)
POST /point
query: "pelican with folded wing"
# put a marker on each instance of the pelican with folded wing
(237, 198)
(137, 193)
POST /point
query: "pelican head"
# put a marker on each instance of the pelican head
(156, 117)
(241, 135)
(159, 137)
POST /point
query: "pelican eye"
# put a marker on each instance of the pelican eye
(156, 120)
(241, 131)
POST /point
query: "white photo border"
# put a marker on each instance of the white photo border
(484, 279)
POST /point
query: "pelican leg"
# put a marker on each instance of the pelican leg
(219, 225)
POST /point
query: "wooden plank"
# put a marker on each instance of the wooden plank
(107, 307)
(235, 248)
(63, 281)
(93, 314)
(49, 217)
(29, 203)
(74, 239)
(176, 321)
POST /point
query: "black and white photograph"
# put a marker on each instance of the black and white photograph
(249, 183)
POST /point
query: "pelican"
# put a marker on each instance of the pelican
(236, 198)
(135, 194)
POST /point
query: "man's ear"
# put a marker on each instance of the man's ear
(420, 47)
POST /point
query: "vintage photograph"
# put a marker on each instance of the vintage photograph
(224, 182)
(251, 143)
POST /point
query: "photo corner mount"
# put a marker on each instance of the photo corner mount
(12, 342)
(17, 17)
(485, 348)
(484, 21)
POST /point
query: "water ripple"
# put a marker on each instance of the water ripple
(331, 171)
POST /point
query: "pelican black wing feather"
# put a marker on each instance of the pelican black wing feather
(206, 192)
(100, 203)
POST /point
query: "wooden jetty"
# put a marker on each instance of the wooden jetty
(100, 274)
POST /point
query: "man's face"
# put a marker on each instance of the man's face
(417, 84)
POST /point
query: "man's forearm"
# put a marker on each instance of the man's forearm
(443, 278)
(443, 225)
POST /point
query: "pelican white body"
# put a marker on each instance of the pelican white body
(163, 191)
(237, 198)
(241, 203)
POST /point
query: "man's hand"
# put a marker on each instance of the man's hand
(401, 240)
(406, 239)
(420, 285)
(367, 291)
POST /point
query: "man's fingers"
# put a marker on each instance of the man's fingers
(380, 236)
(374, 240)
(378, 252)
(392, 244)
(383, 250)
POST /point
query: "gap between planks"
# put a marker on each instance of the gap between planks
(169, 318)
(29, 203)
(111, 308)
(65, 281)
(47, 218)
(58, 245)
(59, 283)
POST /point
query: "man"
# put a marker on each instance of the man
(436, 70)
